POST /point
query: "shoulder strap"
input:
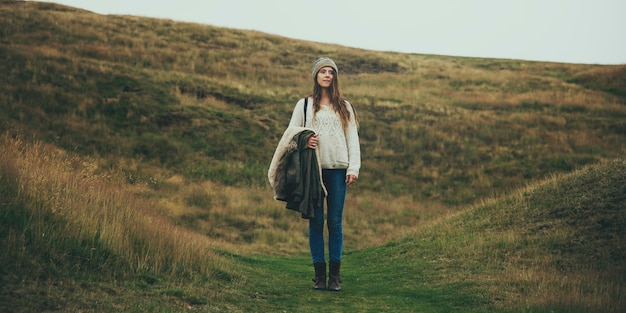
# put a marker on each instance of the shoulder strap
(306, 104)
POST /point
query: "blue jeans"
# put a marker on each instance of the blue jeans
(335, 183)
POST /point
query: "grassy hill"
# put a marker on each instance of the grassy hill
(75, 241)
(134, 155)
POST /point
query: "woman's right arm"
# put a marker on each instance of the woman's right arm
(297, 117)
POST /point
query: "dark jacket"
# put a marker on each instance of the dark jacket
(295, 173)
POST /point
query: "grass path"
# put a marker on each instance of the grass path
(283, 284)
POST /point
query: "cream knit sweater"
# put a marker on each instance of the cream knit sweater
(338, 148)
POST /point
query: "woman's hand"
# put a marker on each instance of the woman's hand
(313, 141)
(350, 179)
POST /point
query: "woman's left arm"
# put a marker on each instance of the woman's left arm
(354, 149)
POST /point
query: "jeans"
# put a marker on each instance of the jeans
(335, 183)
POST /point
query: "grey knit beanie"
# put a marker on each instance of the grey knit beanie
(323, 62)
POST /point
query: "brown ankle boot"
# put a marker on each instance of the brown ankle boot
(319, 282)
(334, 278)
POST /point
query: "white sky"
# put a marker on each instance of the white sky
(570, 31)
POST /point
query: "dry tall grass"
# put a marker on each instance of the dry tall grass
(90, 219)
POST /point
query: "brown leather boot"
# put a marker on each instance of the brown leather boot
(319, 282)
(334, 278)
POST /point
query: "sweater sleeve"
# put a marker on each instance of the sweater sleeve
(297, 117)
(354, 147)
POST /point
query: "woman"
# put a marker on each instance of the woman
(336, 137)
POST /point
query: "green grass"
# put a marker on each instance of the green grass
(369, 285)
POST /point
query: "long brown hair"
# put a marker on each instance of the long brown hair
(337, 101)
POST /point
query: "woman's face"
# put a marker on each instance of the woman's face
(325, 76)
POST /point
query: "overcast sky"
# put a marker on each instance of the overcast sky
(570, 31)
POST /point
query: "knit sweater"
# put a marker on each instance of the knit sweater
(338, 147)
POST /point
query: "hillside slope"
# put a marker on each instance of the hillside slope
(162, 98)
(558, 245)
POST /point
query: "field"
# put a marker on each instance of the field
(135, 151)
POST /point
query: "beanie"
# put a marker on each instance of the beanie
(323, 62)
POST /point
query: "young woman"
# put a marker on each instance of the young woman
(335, 123)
